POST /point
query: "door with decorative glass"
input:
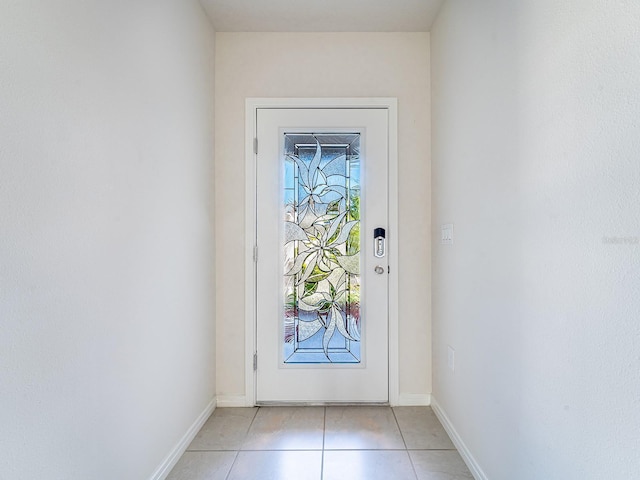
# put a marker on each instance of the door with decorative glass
(322, 272)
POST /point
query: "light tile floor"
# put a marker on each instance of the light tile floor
(321, 443)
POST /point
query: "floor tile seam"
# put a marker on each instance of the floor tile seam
(235, 459)
(246, 434)
(227, 450)
(282, 450)
(221, 450)
(432, 449)
(399, 428)
(366, 450)
(230, 450)
(413, 467)
(320, 450)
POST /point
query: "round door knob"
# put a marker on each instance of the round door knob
(379, 269)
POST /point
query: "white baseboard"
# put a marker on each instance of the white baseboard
(464, 451)
(232, 401)
(165, 467)
(414, 400)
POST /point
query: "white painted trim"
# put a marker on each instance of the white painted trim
(250, 241)
(170, 461)
(464, 451)
(414, 400)
(233, 401)
(394, 260)
(251, 106)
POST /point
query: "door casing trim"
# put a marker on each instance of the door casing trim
(251, 107)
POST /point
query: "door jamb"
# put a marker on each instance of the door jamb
(251, 107)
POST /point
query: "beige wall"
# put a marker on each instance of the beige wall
(106, 245)
(536, 162)
(324, 65)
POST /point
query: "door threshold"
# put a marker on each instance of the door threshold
(322, 404)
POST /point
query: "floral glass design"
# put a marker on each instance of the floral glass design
(322, 248)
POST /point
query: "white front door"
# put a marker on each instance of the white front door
(322, 275)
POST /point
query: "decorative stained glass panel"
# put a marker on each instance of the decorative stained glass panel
(322, 248)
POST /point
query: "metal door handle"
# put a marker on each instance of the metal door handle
(379, 269)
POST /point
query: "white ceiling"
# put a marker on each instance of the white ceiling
(322, 15)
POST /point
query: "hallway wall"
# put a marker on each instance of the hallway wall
(106, 235)
(536, 162)
(325, 65)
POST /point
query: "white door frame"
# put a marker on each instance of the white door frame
(252, 105)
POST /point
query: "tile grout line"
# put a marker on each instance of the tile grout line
(406, 449)
(330, 450)
(235, 459)
(249, 429)
(262, 450)
(366, 450)
(404, 442)
(432, 449)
